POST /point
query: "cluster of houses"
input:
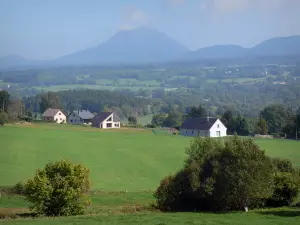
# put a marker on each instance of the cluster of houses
(102, 120)
(206, 127)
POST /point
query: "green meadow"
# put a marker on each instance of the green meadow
(126, 167)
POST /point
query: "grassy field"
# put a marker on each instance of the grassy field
(144, 120)
(126, 167)
(133, 208)
(119, 160)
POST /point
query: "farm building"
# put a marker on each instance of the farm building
(204, 127)
(106, 120)
(80, 117)
(54, 115)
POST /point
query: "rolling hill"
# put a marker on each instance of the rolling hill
(144, 45)
(279, 46)
(135, 46)
(15, 61)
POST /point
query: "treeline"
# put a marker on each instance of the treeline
(94, 100)
(275, 120)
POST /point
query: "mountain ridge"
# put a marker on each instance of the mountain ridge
(145, 45)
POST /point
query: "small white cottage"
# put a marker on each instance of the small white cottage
(203, 127)
(54, 115)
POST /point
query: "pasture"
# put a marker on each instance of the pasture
(126, 167)
(123, 159)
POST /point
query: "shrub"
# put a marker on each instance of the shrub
(287, 184)
(60, 189)
(18, 189)
(286, 189)
(218, 176)
(175, 193)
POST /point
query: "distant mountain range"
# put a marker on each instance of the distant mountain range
(150, 46)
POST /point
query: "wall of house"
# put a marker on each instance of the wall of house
(48, 119)
(218, 126)
(60, 117)
(74, 119)
(108, 123)
(194, 133)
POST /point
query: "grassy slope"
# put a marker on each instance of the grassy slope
(119, 161)
(123, 208)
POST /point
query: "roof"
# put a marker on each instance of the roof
(84, 114)
(103, 116)
(50, 112)
(199, 123)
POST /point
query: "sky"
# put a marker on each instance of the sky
(47, 29)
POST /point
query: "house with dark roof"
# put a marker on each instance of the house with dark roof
(106, 120)
(54, 115)
(203, 127)
(80, 117)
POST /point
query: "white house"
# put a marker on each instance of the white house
(204, 127)
(54, 115)
(106, 120)
(80, 117)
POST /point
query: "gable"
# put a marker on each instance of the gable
(218, 125)
(59, 112)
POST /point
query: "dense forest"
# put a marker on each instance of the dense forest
(245, 86)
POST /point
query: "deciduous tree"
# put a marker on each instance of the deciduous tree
(60, 189)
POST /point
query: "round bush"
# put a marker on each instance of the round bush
(60, 189)
(218, 177)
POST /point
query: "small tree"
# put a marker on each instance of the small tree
(3, 118)
(60, 189)
(132, 120)
(261, 126)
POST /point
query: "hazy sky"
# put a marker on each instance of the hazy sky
(46, 29)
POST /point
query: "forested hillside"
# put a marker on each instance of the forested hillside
(93, 100)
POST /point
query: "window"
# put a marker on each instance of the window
(109, 125)
(218, 133)
(192, 132)
(60, 118)
(59, 114)
(218, 125)
(116, 125)
(71, 121)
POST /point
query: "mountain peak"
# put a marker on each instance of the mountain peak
(142, 45)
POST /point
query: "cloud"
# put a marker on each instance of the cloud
(176, 2)
(168, 4)
(133, 18)
(230, 6)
